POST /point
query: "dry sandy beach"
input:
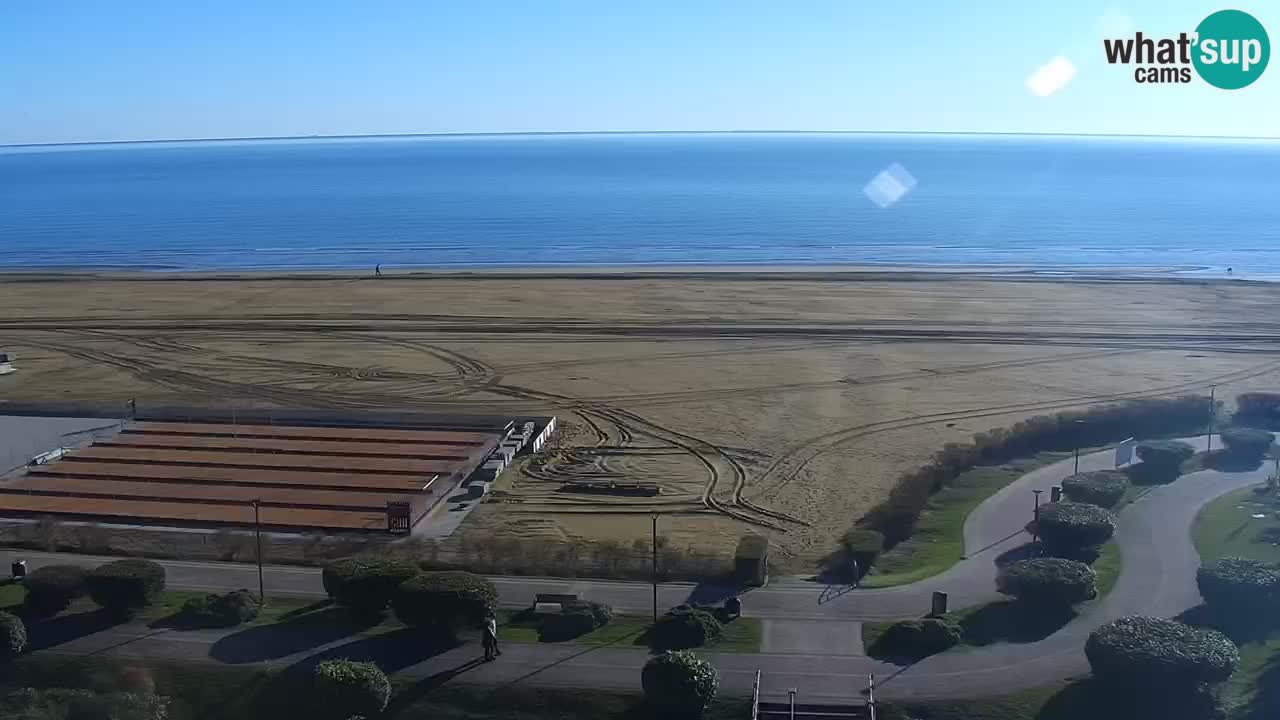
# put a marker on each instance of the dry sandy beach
(783, 402)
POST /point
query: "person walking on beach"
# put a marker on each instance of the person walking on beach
(377, 271)
(491, 638)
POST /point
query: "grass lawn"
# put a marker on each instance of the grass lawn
(741, 635)
(1006, 621)
(1227, 527)
(938, 542)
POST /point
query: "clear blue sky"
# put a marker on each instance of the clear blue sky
(80, 70)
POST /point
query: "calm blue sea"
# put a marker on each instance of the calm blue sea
(1049, 203)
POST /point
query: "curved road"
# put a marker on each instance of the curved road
(812, 641)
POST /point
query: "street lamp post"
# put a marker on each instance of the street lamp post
(1213, 407)
(654, 546)
(257, 531)
(1077, 467)
(1035, 517)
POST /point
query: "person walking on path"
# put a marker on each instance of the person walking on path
(491, 649)
(377, 271)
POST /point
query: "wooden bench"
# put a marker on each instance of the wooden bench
(553, 602)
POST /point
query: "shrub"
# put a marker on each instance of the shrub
(68, 704)
(13, 636)
(896, 517)
(51, 589)
(444, 600)
(125, 586)
(915, 639)
(366, 585)
(861, 546)
(602, 613)
(1247, 443)
(679, 683)
(347, 689)
(684, 628)
(1162, 460)
(1103, 488)
(1048, 582)
(222, 610)
(1159, 654)
(751, 560)
(1070, 529)
(1240, 588)
(566, 624)
(1260, 408)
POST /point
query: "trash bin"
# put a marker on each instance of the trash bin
(19, 569)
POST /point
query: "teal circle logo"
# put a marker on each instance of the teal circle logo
(1232, 49)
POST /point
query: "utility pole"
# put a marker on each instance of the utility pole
(1213, 410)
(655, 566)
(257, 531)
(1035, 517)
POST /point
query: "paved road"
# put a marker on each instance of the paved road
(810, 639)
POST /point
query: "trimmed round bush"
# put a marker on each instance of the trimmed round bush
(51, 589)
(347, 689)
(680, 684)
(566, 625)
(1073, 530)
(602, 613)
(1239, 588)
(862, 546)
(1048, 582)
(125, 586)
(445, 600)
(1162, 459)
(1159, 653)
(366, 585)
(13, 636)
(687, 628)
(222, 610)
(1103, 488)
(915, 639)
(1247, 443)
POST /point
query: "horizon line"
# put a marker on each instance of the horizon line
(534, 133)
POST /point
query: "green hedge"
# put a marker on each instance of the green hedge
(1160, 654)
(1074, 530)
(679, 684)
(915, 639)
(574, 621)
(1161, 460)
(684, 628)
(1258, 408)
(445, 600)
(125, 586)
(1240, 589)
(222, 609)
(1048, 582)
(1247, 443)
(347, 689)
(13, 636)
(50, 589)
(1104, 488)
(896, 517)
(366, 585)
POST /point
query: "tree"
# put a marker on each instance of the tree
(1074, 530)
(1159, 654)
(125, 586)
(679, 683)
(1048, 582)
(445, 600)
(346, 689)
(365, 585)
(1103, 488)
